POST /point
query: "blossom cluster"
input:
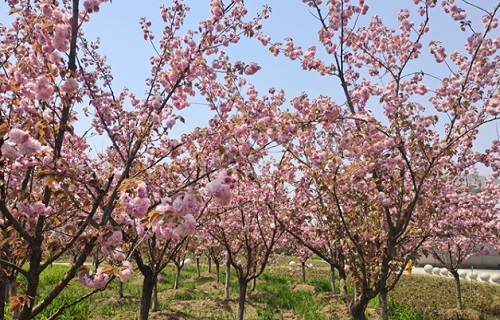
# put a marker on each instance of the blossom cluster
(171, 219)
(92, 6)
(220, 188)
(109, 244)
(20, 143)
(102, 276)
(138, 206)
(99, 280)
(176, 219)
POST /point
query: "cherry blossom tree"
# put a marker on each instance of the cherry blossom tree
(474, 228)
(214, 251)
(154, 249)
(50, 193)
(410, 110)
(168, 212)
(180, 260)
(246, 227)
(311, 224)
(302, 253)
(375, 162)
(196, 248)
(57, 198)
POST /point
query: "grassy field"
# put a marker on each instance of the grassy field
(278, 295)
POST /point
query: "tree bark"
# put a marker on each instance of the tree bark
(217, 271)
(343, 282)
(226, 284)
(242, 297)
(177, 277)
(120, 289)
(95, 263)
(209, 264)
(382, 297)
(198, 267)
(32, 279)
(4, 287)
(155, 306)
(332, 278)
(357, 308)
(303, 265)
(458, 289)
(147, 292)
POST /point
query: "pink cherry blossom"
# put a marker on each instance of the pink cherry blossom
(186, 228)
(137, 207)
(61, 38)
(141, 190)
(100, 279)
(10, 152)
(186, 204)
(220, 191)
(91, 6)
(43, 88)
(70, 86)
(29, 147)
(18, 136)
(126, 271)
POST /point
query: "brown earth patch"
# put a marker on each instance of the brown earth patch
(211, 288)
(212, 308)
(116, 301)
(302, 287)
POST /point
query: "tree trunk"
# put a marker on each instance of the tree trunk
(13, 293)
(343, 282)
(120, 289)
(209, 264)
(198, 267)
(254, 283)
(332, 278)
(458, 288)
(4, 288)
(217, 271)
(242, 298)
(303, 265)
(155, 306)
(147, 292)
(33, 280)
(177, 277)
(357, 308)
(96, 262)
(226, 284)
(382, 298)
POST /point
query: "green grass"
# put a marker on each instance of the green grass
(189, 296)
(48, 279)
(402, 312)
(277, 294)
(434, 298)
(323, 285)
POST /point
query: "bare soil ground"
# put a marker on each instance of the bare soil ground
(214, 306)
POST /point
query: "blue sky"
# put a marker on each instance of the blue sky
(117, 24)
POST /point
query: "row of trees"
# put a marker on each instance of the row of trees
(363, 181)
